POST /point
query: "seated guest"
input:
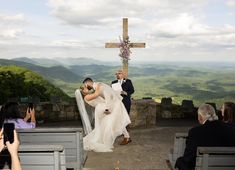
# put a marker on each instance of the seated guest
(211, 132)
(228, 112)
(12, 149)
(11, 114)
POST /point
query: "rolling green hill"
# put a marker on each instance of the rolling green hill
(20, 82)
(200, 82)
(49, 73)
(68, 61)
(26, 60)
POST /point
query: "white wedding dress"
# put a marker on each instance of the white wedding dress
(107, 127)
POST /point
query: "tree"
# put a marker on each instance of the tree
(19, 82)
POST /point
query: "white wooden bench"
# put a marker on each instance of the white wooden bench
(178, 150)
(70, 138)
(215, 158)
(41, 157)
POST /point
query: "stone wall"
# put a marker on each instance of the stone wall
(144, 112)
(48, 112)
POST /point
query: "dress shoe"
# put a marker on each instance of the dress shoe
(126, 141)
(128, 128)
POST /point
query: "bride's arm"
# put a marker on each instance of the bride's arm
(94, 95)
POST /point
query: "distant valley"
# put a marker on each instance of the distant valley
(199, 81)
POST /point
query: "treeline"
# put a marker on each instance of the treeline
(18, 82)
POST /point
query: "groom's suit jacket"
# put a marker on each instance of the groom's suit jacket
(128, 87)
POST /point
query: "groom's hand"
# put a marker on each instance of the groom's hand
(107, 111)
(124, 93)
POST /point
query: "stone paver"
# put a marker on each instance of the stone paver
(148, 151)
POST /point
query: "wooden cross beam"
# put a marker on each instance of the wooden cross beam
(125, 37)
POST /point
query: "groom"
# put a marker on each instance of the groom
(105, 92)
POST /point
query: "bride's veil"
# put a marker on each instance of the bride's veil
(83, 113)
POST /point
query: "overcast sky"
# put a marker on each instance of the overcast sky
(172, 29)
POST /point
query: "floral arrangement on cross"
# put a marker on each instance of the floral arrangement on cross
(125, 52)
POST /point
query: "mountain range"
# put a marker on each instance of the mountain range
(62, 61)
(73, 70)
(50, 73)
(198, 81)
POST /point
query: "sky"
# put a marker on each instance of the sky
(173, 30)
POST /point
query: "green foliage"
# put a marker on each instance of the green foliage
(20, 82)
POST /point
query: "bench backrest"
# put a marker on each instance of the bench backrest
(70, 138)
(215, 158)
(41, 157)
(178, 150)
(179, 145)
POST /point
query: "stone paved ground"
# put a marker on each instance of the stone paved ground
(148, 151)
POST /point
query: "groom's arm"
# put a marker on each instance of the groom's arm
(129, 90)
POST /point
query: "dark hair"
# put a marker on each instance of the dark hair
(11, 110)
(229, 112)
(87, 79)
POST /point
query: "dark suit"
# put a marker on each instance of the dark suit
(127, 86)
(214, 133)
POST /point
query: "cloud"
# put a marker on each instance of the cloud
(182, 24)
(10, 33)
(170, 29)
(10, 25)
(188, 31)
(99, 12)
(11, 19)
(72, 43)
(231, 3)
(230, 14)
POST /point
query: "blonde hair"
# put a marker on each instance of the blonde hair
(207, 112)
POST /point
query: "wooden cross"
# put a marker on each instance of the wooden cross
(125, 38)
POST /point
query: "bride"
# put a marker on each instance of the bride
(111, 117)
